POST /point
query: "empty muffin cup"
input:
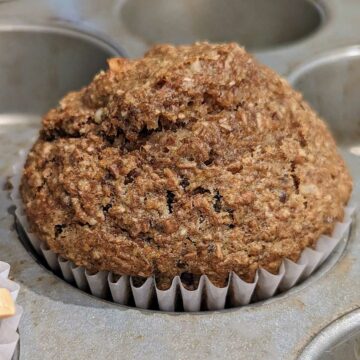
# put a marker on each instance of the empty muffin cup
(256, 24)
(42, 63)
(331, 84)
(339, 340)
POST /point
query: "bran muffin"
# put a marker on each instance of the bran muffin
(192, 160)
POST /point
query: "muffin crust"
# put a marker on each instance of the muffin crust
(192, 160)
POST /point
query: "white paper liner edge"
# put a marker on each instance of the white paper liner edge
(8, 326)
(237, 292)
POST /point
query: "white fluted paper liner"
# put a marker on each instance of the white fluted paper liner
(79, 277)
(292, 272)
(215, 296)
(120, 289)
(4, 270)
(51, 257)
(241, 291)
(192, 298)
(98, 283)
(167, 298)
(206, 296)
(268, 283)
(143, 294)
(8, 335)
(8, 345)
(65, 266)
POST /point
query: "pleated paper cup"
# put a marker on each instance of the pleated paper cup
(8, 326)
(124, 289)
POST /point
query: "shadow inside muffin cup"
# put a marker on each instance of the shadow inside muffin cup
(39, 65)
(331, 84)
(256, 24)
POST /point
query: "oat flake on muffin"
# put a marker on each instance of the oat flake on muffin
(194, 159)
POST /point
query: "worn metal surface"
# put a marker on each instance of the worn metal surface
(187, 21)
(61, 321)
(340, 25)
(340, 340)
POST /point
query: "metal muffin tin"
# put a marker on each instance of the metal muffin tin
(42, 42)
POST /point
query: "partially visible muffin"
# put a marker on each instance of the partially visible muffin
(192, 160)
(7, 305)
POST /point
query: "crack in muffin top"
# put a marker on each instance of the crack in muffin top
(192, 160)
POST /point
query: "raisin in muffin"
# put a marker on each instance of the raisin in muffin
(194, 159)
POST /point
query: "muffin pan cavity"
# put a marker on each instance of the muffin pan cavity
(331, 84)
(39, 65)
(338, 341)
(256, 24)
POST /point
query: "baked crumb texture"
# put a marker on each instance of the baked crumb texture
(192, 160)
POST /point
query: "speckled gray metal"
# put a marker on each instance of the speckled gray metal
(339, 340)
(62, 322)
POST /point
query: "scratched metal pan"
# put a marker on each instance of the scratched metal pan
(309, 41)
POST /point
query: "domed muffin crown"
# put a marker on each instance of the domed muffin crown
(194, 159)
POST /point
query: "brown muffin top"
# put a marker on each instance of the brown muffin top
(194, 159)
